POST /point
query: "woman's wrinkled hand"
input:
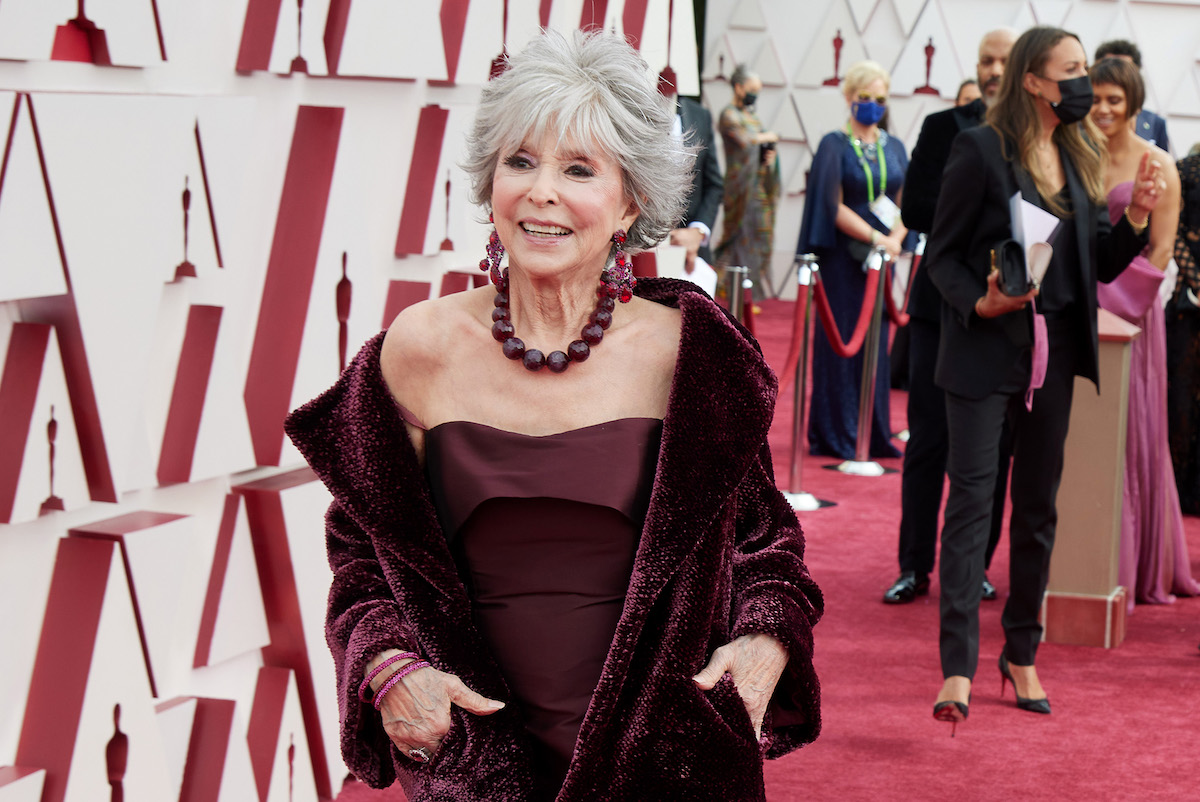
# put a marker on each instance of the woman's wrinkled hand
(416, 710)
(1148, 187)
(755, 662)
(996, 303)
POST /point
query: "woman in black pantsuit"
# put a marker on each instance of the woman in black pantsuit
(1038, 142)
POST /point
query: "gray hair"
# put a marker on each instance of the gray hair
(595, 89)
(741, 74)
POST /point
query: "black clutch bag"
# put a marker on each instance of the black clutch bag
(1008, 257)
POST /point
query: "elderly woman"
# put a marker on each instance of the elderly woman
(1011, 357)
(852, 205)
(566, 576)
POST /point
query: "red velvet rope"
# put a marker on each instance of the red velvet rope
(842, 349)
(899, 316)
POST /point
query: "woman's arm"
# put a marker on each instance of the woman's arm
(362, 621)
(775, 605)
(966, 188)
(1164, 223)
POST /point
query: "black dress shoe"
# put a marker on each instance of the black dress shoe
(989, 590)
(909, 586)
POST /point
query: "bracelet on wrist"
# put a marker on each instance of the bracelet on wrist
(375, 672)
(395, 678)
(1138, 228)
(874, 237)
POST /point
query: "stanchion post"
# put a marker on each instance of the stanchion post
(735, 276)
(807, 267)
(862, 464)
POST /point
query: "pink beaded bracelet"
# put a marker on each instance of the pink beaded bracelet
(366, 683)
(399, 675)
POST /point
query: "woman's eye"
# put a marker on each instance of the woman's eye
(517, 162)
(580, 171)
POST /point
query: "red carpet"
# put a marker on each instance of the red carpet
(1125, 720)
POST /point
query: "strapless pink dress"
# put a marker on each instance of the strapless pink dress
(1154, 564)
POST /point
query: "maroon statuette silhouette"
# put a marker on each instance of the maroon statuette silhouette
(291, 766)
(344, 290)
(668, 83)
(185, 268)
(927, 89)
(116, 756)
(838, 41)
(298, 63)
(500, 62)
(81, 40)
(52, 503)
(447, 245)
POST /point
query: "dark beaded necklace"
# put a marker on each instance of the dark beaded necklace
(578, 351)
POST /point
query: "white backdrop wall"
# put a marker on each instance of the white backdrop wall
(181, 184)
(790, 43)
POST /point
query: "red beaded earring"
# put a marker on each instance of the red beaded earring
(495, 252)
(618, 281)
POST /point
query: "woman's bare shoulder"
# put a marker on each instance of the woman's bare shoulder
(420, 339)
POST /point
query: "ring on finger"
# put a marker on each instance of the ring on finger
(420, 754)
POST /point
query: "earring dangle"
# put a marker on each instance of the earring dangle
(618, 281)
(495, 252)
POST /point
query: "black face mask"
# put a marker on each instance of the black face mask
(1076, 99)
(749, 99)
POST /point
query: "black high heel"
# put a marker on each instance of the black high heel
(951, 711)
(1032, 705)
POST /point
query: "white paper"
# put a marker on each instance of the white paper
(886, 210)
(1037, 260)
(1033, 225)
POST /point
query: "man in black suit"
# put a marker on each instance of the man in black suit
(925, 454)
(695, 229)
(1149, 126)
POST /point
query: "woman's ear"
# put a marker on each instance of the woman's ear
(1030, 82)
(631, 214)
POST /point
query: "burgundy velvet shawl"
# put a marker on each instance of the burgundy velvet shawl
(721, 555)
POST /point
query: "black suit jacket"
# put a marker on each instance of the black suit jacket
(923, 183)
(708, 187)
(976, 354)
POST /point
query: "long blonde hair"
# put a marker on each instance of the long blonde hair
(1015, 116)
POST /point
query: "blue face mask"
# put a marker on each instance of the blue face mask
(867, 112)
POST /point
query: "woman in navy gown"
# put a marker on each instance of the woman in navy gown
(852, 204)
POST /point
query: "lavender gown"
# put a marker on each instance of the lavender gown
(1154, 562)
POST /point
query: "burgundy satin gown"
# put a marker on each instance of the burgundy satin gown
(544, 531)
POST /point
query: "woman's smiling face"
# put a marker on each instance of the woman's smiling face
(1109, 108)
(556, 206)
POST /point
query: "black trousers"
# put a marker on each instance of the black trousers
(925, 457)
(975, 427)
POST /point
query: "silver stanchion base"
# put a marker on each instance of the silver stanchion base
(861, 468)
(806, 502)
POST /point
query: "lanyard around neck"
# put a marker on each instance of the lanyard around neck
(862, 160)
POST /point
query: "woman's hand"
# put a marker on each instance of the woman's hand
(755, 662)
(891, 243)
(996, 303)
(766, 136)
(416, 711)
(1148, 187)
